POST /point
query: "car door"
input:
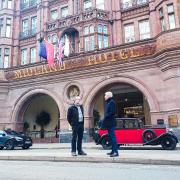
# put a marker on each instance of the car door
(119, 131)
(132, 131)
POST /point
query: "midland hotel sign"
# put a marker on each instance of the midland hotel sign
(103, 58)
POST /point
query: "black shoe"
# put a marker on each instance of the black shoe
(82, 153)
(73, 154)
(110, 153)
(114, 155)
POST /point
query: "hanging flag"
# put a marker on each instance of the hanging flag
(66, 46)
(50, 53)
(42, 50)
(60, 52)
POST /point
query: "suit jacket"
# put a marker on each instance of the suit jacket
(73, 115)
(109, 114)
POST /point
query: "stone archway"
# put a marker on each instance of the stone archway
(24, 101)
(141, 86)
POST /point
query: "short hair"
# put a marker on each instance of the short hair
(77, 97)
(109, 94)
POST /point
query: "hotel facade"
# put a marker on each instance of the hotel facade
(131, 48)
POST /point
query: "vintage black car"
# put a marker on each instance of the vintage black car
(11, 139)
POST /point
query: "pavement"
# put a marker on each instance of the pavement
(60, 152)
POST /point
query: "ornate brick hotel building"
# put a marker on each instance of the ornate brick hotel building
(129, 47)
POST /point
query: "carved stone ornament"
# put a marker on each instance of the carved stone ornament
(73, 91)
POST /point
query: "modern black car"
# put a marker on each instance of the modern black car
(11, 139)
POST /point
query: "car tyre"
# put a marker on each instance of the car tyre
(25, 147)
(9, 145)
(106, 144)
(1, 148)
(148, 135)
(168, 143)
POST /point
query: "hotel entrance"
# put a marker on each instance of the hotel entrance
(39, 116)
(130, 102)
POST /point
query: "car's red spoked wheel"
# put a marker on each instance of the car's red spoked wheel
(148, 135)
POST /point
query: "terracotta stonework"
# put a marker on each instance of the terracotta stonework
(151, 65)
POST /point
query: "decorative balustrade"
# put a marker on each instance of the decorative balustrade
(73, 20)
(27, 34)
(128, 4)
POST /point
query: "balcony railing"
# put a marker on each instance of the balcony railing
(29, 4)
(28, 33)
(133, 4)
(73, 20)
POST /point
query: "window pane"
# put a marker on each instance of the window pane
(100, 43)
(23, 57)
(86, 30)
(6, 61)
(163, 26)
(172, 23)
(86, 39)
(105, 30)
(161, 13)
(34, 25)
(129, 33)
(8, 31)
(100, 28)
(106, 41)
(3, 4)
(54, 14)
(170, 8)
(100, 4)
(127, 4)
(64, 11)
(87, 4)
(33, 55)
(141, 1)
(144, 29)
(25, 26)
(91, 29)
(9, 4)
(91, 41)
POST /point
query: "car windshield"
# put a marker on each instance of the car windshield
(10, 132)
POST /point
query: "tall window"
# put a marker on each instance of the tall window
(129, 33)
(34, 25)
(89, 38)
(1, 60)
(100, 4)
(33, 55)
(171, 16)
(3, 5)
(87, 4)
(8, 27)
(102, 36)
(54, 14)
(25, 27)
(1, 27)
(23, 56)
(9, 5)
(6, 57)
(64, 11)
(161, 17)
(144, 29)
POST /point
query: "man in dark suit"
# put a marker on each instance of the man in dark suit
(75, 118)
(109, 122)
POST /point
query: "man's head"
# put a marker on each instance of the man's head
(77, 100)
(108, 95)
